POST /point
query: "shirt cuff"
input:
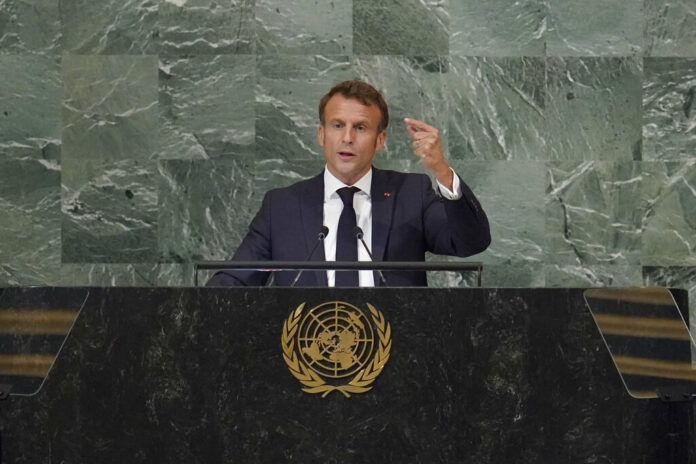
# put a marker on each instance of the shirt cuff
(455, 193)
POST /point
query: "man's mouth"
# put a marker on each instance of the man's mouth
(346, 155)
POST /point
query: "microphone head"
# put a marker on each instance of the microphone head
(358, 232)
(323, 232)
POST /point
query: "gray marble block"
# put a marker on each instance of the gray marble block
(109, 194)
(30, 105)
(304, 27)
(108, 26)
(498, 27)
(594, 28)
(669, 225)
(669, 109)
(594, 108)
(205, 207)
(595, 212)
(206, 106)
(512, 193)
(498, 108)
(28, 27)
(30, 231)
(670, 28)
(202, 27)
(408, 27)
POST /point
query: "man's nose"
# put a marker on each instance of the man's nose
(347, 135)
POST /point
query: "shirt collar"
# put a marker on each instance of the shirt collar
(332, 184)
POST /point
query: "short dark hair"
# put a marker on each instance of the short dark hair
(361, 91)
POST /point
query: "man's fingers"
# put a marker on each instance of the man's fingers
(424, 135)
(427, 142)
(423, 147)
(418, 125)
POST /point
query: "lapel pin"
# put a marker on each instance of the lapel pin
(386, 194)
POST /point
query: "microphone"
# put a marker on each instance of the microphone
(358, 232)
(320, 238)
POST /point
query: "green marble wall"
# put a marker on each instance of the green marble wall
(137, 137)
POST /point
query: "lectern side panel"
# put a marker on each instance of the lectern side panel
(33, 328)
(648, 339)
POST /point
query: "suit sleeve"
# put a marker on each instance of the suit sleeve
(256, 246)
(454, 227)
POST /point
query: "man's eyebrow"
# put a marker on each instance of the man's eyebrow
(360, 122)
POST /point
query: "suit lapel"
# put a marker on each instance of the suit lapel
(382, 208)
(312, 214)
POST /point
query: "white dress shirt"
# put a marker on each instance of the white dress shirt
(362, 203)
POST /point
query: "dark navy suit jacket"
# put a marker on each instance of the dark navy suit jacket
(408, 219)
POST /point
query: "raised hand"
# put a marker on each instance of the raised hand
(426, 146)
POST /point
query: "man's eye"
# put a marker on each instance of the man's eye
(336, 125)
(360, 128)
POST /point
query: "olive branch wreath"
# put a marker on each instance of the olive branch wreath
(312, 381)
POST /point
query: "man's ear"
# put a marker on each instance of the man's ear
(381, 138)
(320, 135)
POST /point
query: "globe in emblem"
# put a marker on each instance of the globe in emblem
(335, 339)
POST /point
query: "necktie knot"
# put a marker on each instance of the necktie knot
(346, 194)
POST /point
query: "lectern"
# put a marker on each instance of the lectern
(214, 375)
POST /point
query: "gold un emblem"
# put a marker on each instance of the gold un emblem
(336, 347)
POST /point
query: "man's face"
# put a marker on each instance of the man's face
(349, 137)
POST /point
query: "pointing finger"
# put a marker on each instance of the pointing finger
(411, 130)
(419, 125)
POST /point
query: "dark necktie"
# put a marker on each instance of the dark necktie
(346, 243)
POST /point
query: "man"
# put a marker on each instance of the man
(400, 214)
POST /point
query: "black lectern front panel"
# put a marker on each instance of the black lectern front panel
(332, 376)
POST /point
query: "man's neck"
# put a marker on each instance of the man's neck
(332, 183)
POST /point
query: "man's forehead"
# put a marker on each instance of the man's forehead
(345, 106)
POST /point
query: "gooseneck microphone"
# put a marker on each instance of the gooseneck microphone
(320, 238)
(358, 232)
